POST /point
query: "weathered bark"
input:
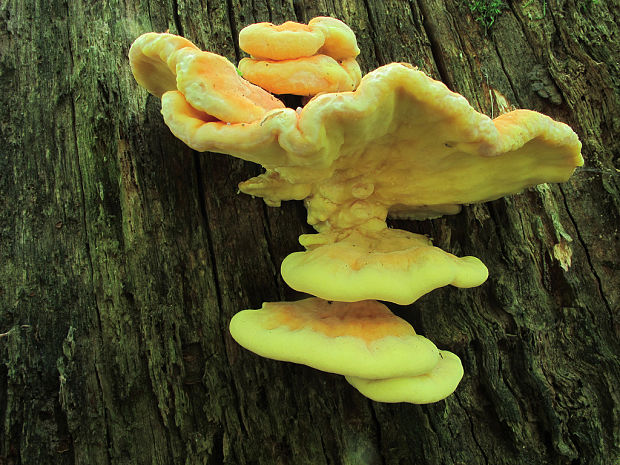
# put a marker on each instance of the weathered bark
(124, 254)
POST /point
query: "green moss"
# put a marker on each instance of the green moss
(485, 11)
(586, 5)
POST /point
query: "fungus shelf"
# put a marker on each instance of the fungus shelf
(393, 143)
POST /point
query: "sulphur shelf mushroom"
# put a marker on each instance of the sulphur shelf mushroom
(389, 264)
(426, 388)
(395, 143)
(361, 339)
(301, 59)
(379, 353)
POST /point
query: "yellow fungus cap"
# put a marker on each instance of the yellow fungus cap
(280, 42)
(363, 339)
(209, 82)
(302, 76)
(340, 42)
(152, 62)
(390, 264)
(324, 35)
(430, 387)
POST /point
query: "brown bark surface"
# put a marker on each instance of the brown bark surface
(124, 254)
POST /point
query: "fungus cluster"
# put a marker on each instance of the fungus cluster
(393, 143)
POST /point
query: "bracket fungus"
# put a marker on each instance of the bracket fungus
(293, 58)
(362, 339)
(433, 386)
(394, 143)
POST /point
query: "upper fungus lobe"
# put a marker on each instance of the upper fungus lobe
(209, 82)
(290, 40)
(405, 139)
(301, 59)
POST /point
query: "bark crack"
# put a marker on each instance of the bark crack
(320, 431)
(233, 29)
(205, 220)
(298, 8)
(471, 429)
(524, 29)
(503, 66)
(495, 217)
(373, 28)
(105, 414)
(588, 256)
(83, 196)
(270, 250)
(430, 30)
(377, 423)
(176, 18)
(216, 281)
(91, 266)
(148, 10)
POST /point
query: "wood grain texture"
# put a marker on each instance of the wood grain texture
(124, 254)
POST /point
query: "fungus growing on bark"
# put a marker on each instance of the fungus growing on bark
(390, 264)
(361, 339)
(209, 82)
(426, 388)
(301, 59)
(399, 145)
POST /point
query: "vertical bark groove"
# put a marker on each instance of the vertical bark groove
(435, 45)
(588, 258)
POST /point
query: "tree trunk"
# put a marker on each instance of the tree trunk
(124, 254)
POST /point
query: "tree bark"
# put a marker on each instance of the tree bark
(124, 254)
